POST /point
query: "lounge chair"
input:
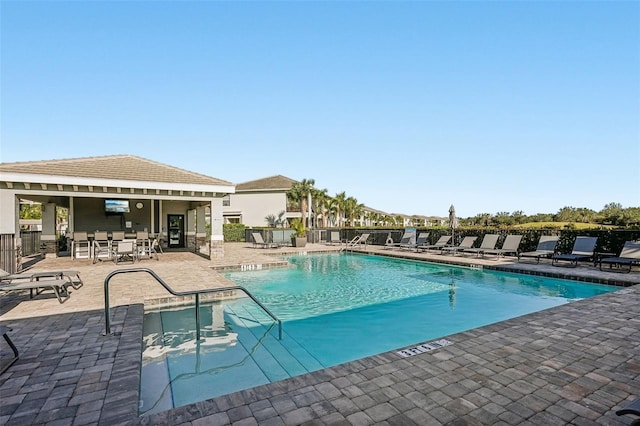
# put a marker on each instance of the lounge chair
(408, 238)
(442, 242)
(545, 249)
(63, 274)
(630, 255)
(510, 245)
(583, 249)
(466, 243)
(422, 239)
(489, 242)
(631, 408)
(57, 285)
(258, 241)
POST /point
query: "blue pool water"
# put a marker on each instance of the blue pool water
(335, 308)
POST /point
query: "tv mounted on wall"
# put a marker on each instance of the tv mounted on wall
(116, 206)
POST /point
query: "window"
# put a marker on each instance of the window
(226, 200)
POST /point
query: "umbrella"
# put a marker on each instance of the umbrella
(453, 223)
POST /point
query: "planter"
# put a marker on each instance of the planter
(298, 241)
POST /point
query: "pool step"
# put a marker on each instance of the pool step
(293, 358)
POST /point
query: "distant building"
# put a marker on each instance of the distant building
(253, 201)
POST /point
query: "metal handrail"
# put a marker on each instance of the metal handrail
(107, 310)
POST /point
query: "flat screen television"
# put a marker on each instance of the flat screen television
(116, 206)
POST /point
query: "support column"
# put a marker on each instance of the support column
(201, 231)
(217, 236)
(49, 243)
(190, 231)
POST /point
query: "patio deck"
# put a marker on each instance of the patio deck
(573, 364)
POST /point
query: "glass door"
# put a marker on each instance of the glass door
(176, 230)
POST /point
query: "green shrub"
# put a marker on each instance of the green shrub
(233, 232)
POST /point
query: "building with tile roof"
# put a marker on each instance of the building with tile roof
(116, 193)
(254, 200)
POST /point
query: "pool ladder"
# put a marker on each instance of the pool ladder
(196, 293)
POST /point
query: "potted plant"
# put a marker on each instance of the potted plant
(299, 237)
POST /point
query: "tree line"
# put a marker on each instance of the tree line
(342, 210)
(612, 214)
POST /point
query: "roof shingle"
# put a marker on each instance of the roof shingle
(119, 167)
(277, 182)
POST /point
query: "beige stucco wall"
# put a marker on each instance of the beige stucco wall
(256, 206)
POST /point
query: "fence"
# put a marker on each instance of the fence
(30, 242)
(8, 253)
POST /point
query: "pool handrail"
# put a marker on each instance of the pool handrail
(196, 293)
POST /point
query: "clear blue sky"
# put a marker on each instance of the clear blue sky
(407, 106)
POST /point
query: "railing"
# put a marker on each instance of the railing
(196, 293)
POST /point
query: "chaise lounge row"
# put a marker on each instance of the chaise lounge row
(583, 249)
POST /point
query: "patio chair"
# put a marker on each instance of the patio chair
(143, 244)
(334, 237)
(156, 248)
(583, 249)
(545, 249)
(258, 241)
(80, 246)
(117, 236)
(101, 250)
(629, 255)
(442, 242)
(489, 242)
(466, 243)
(126, 250)
(510, 245)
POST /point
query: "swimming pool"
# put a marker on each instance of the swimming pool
(335, 308)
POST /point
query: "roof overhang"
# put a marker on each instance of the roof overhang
(114, 183)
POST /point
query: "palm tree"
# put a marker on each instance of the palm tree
(319, 199)
(340, 206)
(331, 206)
(299, 193)
(353, 210)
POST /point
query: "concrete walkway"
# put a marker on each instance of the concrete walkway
(574, 364)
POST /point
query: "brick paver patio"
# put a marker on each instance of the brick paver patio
(573, 364)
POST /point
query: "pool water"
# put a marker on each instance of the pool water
(334, 308)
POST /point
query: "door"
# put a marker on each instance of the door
(176, 230)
